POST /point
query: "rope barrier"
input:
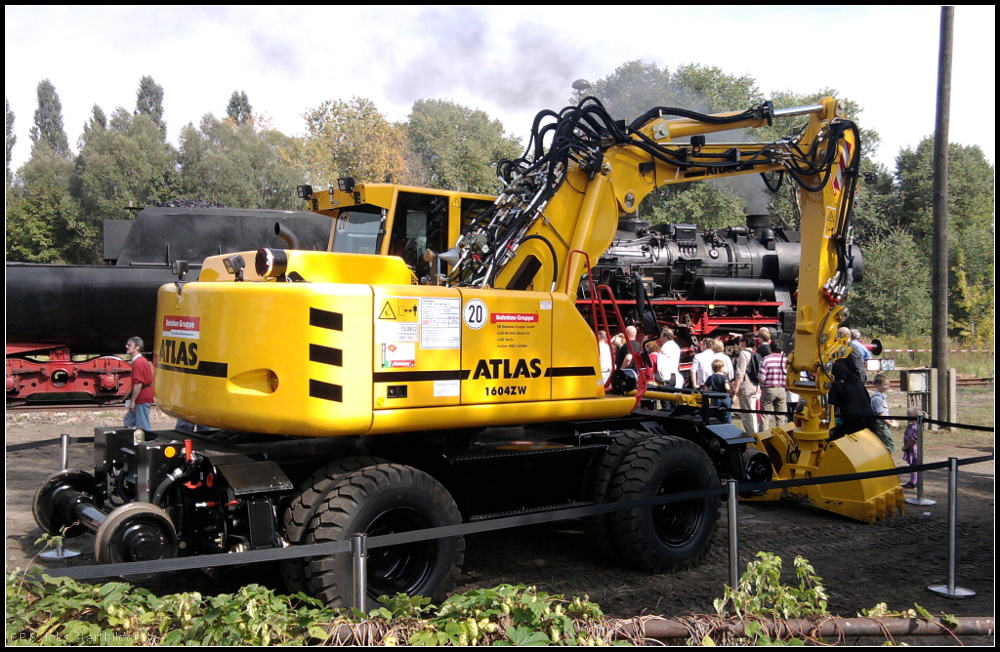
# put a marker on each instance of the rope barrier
(320, 549)
(13, 448)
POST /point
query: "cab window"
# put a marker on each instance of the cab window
(420, 222)
(357, 231)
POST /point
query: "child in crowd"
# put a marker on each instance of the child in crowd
(911, 451)
(719, 382)
(880, 404)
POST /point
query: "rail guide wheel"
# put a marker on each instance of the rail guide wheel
(135, 532)
(53, 504)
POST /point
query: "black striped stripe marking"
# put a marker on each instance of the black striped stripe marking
(464, 374)
(326, 391)
(566, 372)
(209, 369)
(416, 376)
(333, 321)
(326, 355)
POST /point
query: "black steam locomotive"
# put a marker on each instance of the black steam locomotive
(715, 283)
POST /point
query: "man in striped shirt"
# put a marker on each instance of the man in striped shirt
(772, 385)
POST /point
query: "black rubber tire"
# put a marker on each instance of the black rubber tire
(378, 500)
(597, 527)
(303, 506)
(670, 537)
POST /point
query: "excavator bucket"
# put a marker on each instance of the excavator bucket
(868, 500)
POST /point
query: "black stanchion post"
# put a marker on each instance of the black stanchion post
(60, 552)
(950, 590)
(734, 539)
(359, 551)
(920, 500)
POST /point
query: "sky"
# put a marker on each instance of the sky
(509, 62)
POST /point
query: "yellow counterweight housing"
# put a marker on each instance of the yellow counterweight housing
(355, 349)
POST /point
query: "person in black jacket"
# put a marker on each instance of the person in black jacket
(849, 396)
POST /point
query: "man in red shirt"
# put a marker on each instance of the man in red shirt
(141, 393)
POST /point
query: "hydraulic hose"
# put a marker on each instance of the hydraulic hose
(167, 482)
(555, 259)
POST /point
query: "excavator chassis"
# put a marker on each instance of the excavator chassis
(155, 495)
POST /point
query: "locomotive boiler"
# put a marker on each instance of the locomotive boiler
(710, 283)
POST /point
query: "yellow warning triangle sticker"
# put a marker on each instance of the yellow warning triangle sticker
(387, 312)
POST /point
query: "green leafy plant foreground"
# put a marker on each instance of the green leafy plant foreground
(43, 610)
(61, 611)
(47, 611)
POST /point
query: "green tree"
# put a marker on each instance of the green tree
(10, 140)
(459, 147)
(632, 89)
(48, 125)
(974, 309)
(970, 225)
(709, 204)
(970, 189)
(352, 139)
(239, 109)
(712, 90)
(636, 87)
(124, 163)
(237, 165)
(894, 298)
(876, 205)
(149, 102)
(98, 119)
(43, 222)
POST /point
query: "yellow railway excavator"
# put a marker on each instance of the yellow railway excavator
(353, 392)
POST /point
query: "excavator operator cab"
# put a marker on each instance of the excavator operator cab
(414, 219)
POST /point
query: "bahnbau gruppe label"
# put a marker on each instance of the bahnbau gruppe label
(513, 317)
(183, 327)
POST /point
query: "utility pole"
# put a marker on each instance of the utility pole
(939, 275)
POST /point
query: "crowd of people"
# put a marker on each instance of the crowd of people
(756, 380)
